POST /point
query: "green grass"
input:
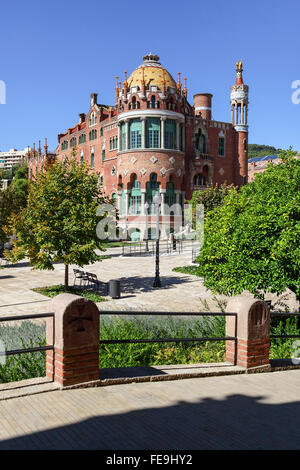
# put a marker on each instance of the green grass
(26, 365)
(145, 327)
(53, 291)
(282, 348)
(29, 334)
(186, 270)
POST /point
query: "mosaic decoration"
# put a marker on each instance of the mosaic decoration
(143, 171)
(133, 160)
(153, 159)
(172, 160)
(221, 171)
(163, 171)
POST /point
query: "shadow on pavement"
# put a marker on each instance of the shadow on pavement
(238, 422)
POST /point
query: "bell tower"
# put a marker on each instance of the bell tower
(239, 119)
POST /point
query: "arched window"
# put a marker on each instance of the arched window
(93, 134)
(200, 142)
(152, 186)
(82, 139)
(170, 193)
(92, 159)
(135, 198)
(93, 119)
(152, 101)
(114, 199)
(72, 142)
(64, 145)
(133, 103)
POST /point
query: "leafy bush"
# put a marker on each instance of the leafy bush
(147, 327)
(26, 365)
(282, 348)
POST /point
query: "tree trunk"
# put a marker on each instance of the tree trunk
(66, 276)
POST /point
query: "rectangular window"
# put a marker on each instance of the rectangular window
(135, 204)
(153, 133)
(135, 139)
(92, 160)
(103, 155)
(221, 146)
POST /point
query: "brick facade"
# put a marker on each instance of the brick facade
(190, 151)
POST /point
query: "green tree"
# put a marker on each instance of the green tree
(211, 197)
(252, 241)
(12, 200)
(59, 222)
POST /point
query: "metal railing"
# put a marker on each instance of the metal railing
(284, 316)
(28, 350)
(172, 340)
(139, 249)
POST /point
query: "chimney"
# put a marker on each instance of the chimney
(81, 118)
(94, 98)
(202, 104)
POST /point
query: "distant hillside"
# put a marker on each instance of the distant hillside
(256, 150)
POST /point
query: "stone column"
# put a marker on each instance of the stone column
(162, 131)
(119, 137)
(75, 358)
(163, 194)
(126, 133)
(242, 113)
(143, 119)
(251, 326)
(143, 191)
(126, 201)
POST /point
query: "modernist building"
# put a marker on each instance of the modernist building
(13, 157)
(153, 139)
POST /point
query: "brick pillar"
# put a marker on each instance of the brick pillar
(76, 340)
(253, 332)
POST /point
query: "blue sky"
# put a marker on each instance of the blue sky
(54, 54)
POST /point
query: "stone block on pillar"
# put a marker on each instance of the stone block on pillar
(253, 332)
(75, 358)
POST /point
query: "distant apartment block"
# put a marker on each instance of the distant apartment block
(12, 157)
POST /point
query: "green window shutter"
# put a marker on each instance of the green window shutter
(135, 133)
(221, 146)
(153, 133)
(170, 130)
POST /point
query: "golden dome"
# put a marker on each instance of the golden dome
(154, 74)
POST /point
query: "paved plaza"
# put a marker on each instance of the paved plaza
(242, 411)
(179, 292)
(252, 411)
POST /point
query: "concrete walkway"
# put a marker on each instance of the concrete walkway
(255, 411)
(179, 292)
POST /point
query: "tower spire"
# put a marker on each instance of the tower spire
(239, 120)
(239, 73)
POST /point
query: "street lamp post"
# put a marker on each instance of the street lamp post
(146, 205)
(157, 202)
